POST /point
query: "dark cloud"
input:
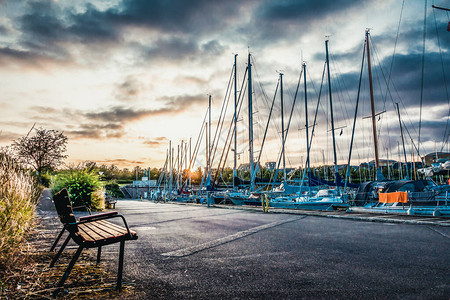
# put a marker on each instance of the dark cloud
(178, 16)
(7, 53)
(129, 90)
(93, 26)
(177, 49)
(302, 10)
(183, 102)
(3, 30)
(48, 30)
(212, 48)
(98, 131)
(275, 20)
(174, 49)
(407, 78)
(46, 22)
(111, 123)
(14, 57)
(42, 21)
(121, 114)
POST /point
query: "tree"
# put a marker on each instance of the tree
(42, 151)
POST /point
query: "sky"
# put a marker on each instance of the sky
(122, 78)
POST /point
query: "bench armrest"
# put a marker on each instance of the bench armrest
(110, 215)
(98, 216)
(83, 206)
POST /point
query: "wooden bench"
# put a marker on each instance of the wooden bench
(91, 231)
(110, 202)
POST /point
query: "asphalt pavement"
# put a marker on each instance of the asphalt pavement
(195, 252)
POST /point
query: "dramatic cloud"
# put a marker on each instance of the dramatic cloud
(137, 70)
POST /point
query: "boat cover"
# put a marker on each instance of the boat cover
(401, 197)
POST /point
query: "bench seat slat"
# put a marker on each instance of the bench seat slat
(116, 227)
(90, 234)
(110, 227)
(94, 232)
(102, 232)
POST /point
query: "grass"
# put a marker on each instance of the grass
(19, 194)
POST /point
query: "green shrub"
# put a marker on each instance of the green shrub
(19, 194)
(80, 184)
(113, 189)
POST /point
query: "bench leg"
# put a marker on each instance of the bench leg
(99, 253)
(119, 272)
(60, 251)
(70, 266)
(57, 239)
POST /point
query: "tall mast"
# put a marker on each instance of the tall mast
(282, 126)
(178, 167)
(209, 135)
(170, 167)
(403, 141)
(235, 120)
(331, 112)
(372, 103)
(306, 117)
(250, 124)
(190, 161)
(185, 156)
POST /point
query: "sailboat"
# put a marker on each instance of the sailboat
(323, 199)
(239, 197)
(412, 197)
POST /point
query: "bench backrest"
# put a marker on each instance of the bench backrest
(64, 207)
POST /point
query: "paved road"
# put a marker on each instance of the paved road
(194, 252)
(186, 251)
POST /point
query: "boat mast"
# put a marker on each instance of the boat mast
(331, 111)
(169, 181)
(250, 124)
(306, 117)
(372, 104)
(190, 163)
(403, 141)
(178, 166)
(282, 126)
(235, 120)
(209, 136)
